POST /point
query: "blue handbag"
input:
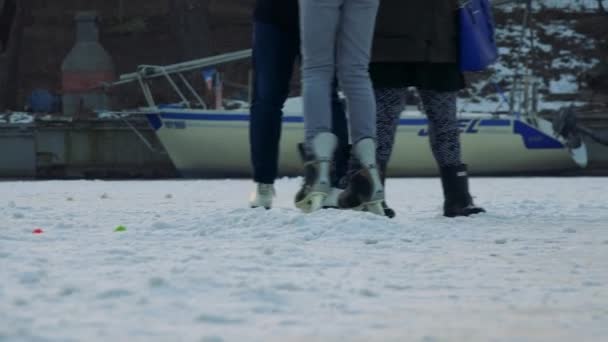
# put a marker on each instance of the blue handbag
(478, 48)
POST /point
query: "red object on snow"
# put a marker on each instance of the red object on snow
(38, 231)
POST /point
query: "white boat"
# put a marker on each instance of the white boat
(209, 143)
(215, 143)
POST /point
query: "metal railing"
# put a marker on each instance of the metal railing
(146, 73)
(152, 71)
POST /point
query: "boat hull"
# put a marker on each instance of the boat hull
(206, 143)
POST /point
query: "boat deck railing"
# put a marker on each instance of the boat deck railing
(145, 73)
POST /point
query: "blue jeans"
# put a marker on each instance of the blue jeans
(275, 52)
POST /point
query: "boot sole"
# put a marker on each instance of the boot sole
(464, 214)
(374, 207)
(260, 206)
(312, 202)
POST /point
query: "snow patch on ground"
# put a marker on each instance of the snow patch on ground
(195, 264)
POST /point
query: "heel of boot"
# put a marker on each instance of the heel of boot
(365, 151)
(316, 201)
(457, 199)
(312, 202)
(377, 188)
(374, 207)
(317, 180)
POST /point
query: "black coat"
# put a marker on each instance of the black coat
(416, 44)
(416, 31)
(283, 13)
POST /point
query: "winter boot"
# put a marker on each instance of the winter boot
(365, 191)
(388, 212)
(317, 181)
(331, 201)
(458, 201)
(338, 174)
(262, 196)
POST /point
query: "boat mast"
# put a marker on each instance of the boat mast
(523, 91)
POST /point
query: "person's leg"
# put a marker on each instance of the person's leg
(354, 43)
(340, 130)
(319, 20)
(274, 55)
(341, 155)
(444, 135)
(390, 103)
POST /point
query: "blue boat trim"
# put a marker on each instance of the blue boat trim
(296, 119)
(220, 117)
(532, 138)
(535, 139)
(245, 117)
(495, 123)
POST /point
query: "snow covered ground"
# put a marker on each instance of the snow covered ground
(196, 265)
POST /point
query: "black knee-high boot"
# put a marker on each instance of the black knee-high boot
(458, 200)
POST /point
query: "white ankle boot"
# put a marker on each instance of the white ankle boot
(262, 196)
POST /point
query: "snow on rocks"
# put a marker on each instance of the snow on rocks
(558, 57)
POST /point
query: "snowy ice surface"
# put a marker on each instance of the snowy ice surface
(196, 265)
